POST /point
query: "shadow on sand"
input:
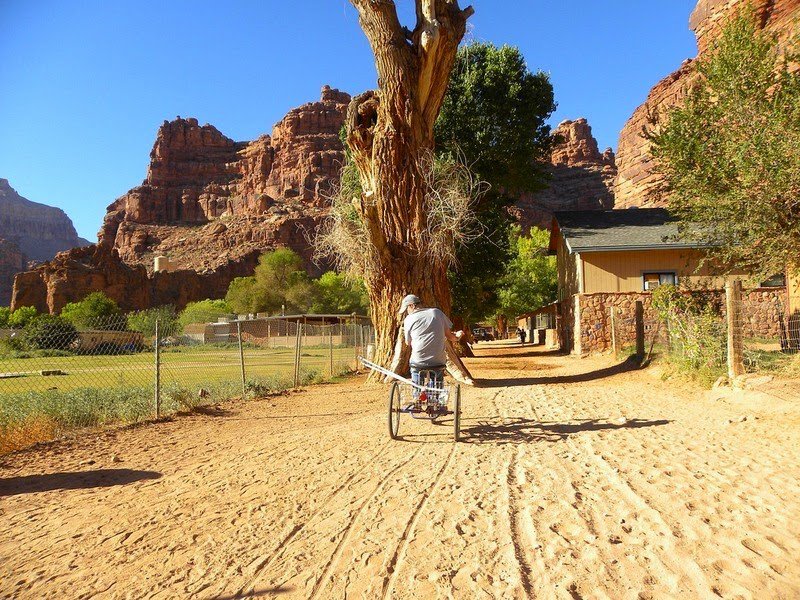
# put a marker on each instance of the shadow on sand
(281, 589)
(72, 480)
(632, 363)
(527, 430)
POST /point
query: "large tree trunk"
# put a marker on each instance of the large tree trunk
(390, 133)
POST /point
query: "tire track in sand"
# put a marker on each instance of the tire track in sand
(393, 566)
(319, 585)
(268, 561)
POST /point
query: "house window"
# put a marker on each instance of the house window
(651, 281)
(775, 281)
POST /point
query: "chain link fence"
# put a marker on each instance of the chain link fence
(55, 376)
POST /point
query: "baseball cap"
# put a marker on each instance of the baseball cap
(410, 299)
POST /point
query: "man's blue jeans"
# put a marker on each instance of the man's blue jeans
(427, 377)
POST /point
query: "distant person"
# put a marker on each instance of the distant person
(521, 335)
(426, 330)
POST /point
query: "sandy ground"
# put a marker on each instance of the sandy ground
(577, 479)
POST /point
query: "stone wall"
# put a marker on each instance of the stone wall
(763, 311)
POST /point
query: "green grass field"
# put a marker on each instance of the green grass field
(97, 390)
(187, 366)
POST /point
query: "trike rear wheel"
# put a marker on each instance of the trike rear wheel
(395, 406)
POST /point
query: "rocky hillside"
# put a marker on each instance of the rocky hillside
(12, 261)
(581, 177)
(39, 230)
(29, 231)
(210, 205)
(635, 178)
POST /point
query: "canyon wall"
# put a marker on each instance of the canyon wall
(582, 177)
(211, 205)
(29, 231)
(637, 184)
(12, 261)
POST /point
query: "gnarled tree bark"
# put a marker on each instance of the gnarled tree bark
(389, 131)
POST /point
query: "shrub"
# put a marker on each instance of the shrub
(203, 311)
(5, 313)
(95, 311)
(22, 316)
(145, 321)
(49, 332)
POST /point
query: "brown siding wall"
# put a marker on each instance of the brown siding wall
(622, 271)
(567, 272)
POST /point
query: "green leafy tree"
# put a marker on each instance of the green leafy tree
(22, 316)
(95, 311)
(279, 282)
(493, 119)
(244, 296)
(49, 332)
(144, 321)
(203, 311)
(335, 294)
(729, 154)
(5, 314)
(530, 280)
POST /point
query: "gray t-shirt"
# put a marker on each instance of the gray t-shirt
(425, 331)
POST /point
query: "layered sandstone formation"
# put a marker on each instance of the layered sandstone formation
(581, 177)
(29, 231)
(39, 230)
(209, 204)
(636, 183)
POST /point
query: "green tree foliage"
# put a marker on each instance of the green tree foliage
(244, 296)
(22, 316)
(203, 311)
(95, 311)
(335, 294)
(279, 282)
(49, 332)
(144, 321)
(729, 154)
(5, 314)
(494, 120)
(530, 280)
(494, 114)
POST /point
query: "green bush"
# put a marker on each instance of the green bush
(696, 330)
(95, 311)
(5, 314)
(203, 311)
(49, 332)
(144, 321)
(22, 316)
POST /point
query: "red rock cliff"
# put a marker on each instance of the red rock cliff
(208, 203)
(581, 177)
(635, 178)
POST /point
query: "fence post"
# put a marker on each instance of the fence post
(298, 335)
(614, 331)
(330, 347)
(158, 371)
(639, 315)
(733, 305)
(355, 343)
(241, 358)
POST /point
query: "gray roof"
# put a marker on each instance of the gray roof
(621, 229)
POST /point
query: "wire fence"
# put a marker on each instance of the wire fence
(712, 334)
(55, 376)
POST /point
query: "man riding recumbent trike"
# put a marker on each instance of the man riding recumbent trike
(425, 395)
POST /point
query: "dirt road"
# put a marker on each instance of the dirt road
(577, 479)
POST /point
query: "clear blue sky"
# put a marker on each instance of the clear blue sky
(86, 84)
